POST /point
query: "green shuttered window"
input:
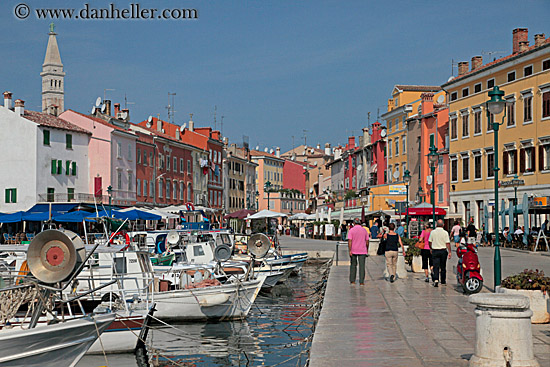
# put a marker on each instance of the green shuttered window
(46, 135)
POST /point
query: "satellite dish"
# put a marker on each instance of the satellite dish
(258, 245)
(173, 238)
(163, 131)
(222, 252)
(257, 147)
(265, 150)
(98, 102)
(103, 108)
(396, 174)
(429, 180)
(93, 110)
(150, 119)
(53, 256)
(124, 115)
(271, 151)
(182, 128)
(450, 78)
(383, 133)
(441, 99)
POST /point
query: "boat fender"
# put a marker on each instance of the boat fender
(213, 299)
(126, 237)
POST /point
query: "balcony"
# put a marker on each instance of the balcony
(71, 198)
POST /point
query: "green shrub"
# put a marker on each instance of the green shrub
(528, 280)
(412, 250)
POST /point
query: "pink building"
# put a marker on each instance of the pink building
(379, 161)
(293, 175)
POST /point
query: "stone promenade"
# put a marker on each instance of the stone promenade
(407, 323)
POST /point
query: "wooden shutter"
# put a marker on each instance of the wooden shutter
(505, 163)
(54, 169)
(67, 167)
(7, 195)
(14, 195)
(541, 158)
(73, 168)
(522, 160)
(59, 166)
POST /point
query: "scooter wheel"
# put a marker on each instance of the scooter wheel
(472, 285)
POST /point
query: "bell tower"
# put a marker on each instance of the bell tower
(53, 77)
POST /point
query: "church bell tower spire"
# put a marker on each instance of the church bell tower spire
(53, 77)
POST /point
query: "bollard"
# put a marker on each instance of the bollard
(373, 246)
(503, 331)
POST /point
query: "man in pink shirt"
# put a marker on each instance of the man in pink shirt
(358, 244)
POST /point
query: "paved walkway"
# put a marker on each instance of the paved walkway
(407, 323)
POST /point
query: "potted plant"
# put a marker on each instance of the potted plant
(412, 254)
(534, 285)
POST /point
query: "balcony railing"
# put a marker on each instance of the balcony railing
(71, 198)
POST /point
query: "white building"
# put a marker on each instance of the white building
(44, 158)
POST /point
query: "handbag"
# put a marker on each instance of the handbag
(381, 247)
(419, 244)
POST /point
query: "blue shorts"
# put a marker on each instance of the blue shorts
(457, 239)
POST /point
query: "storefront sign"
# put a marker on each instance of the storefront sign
(541, 201)
(509, 183)
(398, 190)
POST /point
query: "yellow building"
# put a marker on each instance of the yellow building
(270, 169)
(404, 103)
(524, 137)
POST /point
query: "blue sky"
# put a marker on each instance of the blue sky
(273, 68)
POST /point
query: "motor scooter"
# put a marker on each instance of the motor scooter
(468, 269)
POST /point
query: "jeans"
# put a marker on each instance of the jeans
(391, 262)
(353, 268)
(440, 265)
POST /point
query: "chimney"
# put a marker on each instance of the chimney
(125, 112)
(19, 107)
(477, 61)
(427, 102)
(107, 107)
(327, 148)
(351, 142)
(462, 68)
(539, 39)
(191, 123)
(318, 146)
(178, 134)
(523, 46)
(278, 152)
(159, 124)
(7, 99)
(366, 136)
(117, 109)
(518, 35)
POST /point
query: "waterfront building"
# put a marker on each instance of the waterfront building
(112, 153)
(524, 138)
(240, 179)
(270, 169)
(44, 158)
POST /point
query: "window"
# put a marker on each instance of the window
(129, 152)
(454, 169)
(440, 193)
(50, 197)
(511, 76)
(490, 121)
(527, 159)
(11, 196)
(389, 148)
(477, 88)
(546, 64)
(151, 188)
(390, 174)
(546, 104)
(390, 124)
(46, 137)
(119, 179)
(477, 122)
(454, 129)
(454, 96)
(404, 144)
(477, 166)
(440, 166)
(144, 194)
(119, 150)
(59, 166)
(396, 147)
(161, 161)
(67, 167)
(70, 193)
(174, 190)
(465, 92)
(144, 158)
(167, 162)
(403, 122)
(528, 70)
(510, 113)
(73, 168)
(160, 187)
(188, 166)
(465, 125)
(490, 83)
(181, 190)
(527, 108)
(139, 156)
(181, 165)
(490, 164)
(130, 181)
(168, 189)
(465, 168)
(151, 162)
(175, 165)
(189, 193)
(509, 162)
(544, 157)
(53, 167)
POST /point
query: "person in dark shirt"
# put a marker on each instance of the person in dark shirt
(471, 231)
(374, 230)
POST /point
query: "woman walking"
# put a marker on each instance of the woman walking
(426, 251)
(393, 242)
(455, 233)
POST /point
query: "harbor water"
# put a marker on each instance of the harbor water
(277, 332)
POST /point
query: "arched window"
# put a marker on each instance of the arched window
(189, 192)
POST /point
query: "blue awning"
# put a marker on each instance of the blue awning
(74, 217)
(56, 207)
(136, 214)
(11, 218)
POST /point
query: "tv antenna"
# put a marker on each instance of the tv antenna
(105, 92)
(170, 107)
(215, 113)
(221, 130)
(491, 53)
(305, 137)
(126, 103)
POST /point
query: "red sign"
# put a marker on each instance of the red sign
(97, 187)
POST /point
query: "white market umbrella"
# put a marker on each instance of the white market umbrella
(266, 214)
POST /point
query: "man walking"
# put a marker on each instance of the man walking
(358, 245)
(471, 231)
(440, 245)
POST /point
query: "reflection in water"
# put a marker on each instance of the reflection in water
(277, 329)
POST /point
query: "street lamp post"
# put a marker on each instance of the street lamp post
(495, 106)
(433, 158)
(267, 188)
(110, 192)
(515, 183)
(407, 179)
(257, 196)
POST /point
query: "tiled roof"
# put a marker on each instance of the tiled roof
(257, 153)
(497, 62)
(45, 119)
(418, 88)
(100, 121)
(187, 137)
